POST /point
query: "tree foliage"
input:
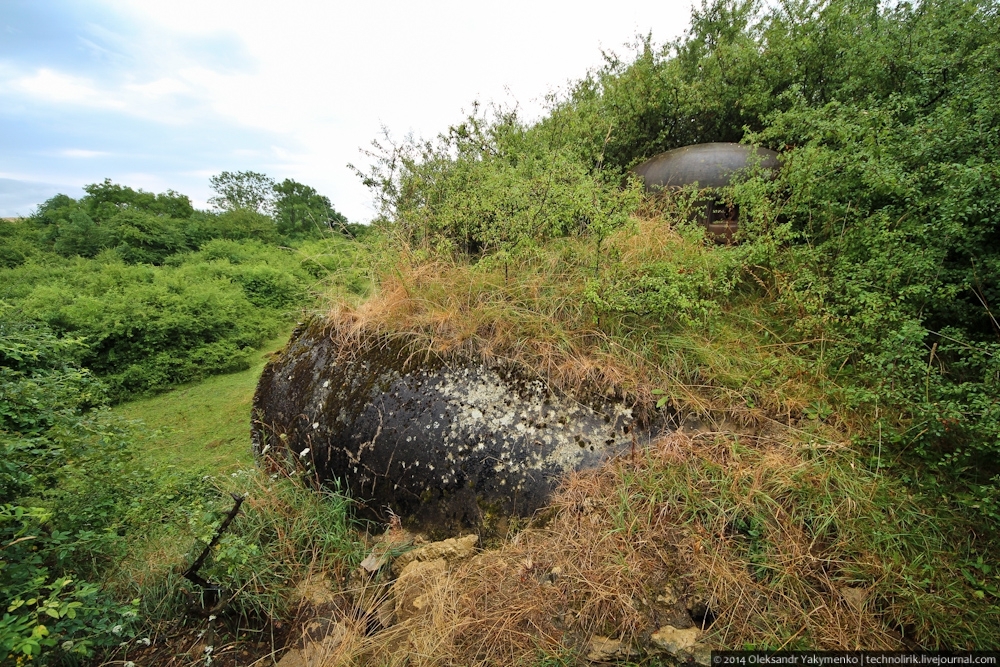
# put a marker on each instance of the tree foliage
(300, 211)
(242, 190)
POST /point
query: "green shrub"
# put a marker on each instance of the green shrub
(492, 186)
(145, 327)
(61, 481)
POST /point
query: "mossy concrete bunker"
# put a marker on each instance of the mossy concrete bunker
(446, 442)
(708, 167)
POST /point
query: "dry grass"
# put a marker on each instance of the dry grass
(541, 316)
(626, 541)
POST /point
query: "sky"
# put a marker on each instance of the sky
(162, 95)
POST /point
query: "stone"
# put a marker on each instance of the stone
(373, 562)
(855, 597)
(675, 641)
(415, 581)
(606, 649)
(444, 442)
(293, 658)
(321, 639)
(316, 590)
(702, 654)
(450, 550)
(318, 651)
(668, 597)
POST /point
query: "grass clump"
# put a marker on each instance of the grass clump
(760, 543)
(706, 347)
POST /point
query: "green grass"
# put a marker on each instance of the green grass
(202, 425)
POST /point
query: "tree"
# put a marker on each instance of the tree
(247, 190)
(299, 210)
(80, 235)
(105, 200)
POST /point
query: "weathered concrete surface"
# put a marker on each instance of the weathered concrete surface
(445, 444)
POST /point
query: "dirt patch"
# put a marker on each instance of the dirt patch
(219, 643)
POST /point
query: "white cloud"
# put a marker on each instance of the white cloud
(82, 153)
(317, 80)
(159, 88)
(52, 86)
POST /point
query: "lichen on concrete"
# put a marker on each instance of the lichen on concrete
(427, 438)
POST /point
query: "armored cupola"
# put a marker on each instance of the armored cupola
(706, 166)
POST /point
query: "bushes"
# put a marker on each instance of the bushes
(80, 515)
(150, 311)
(490, 185)
(61, 480)
(146, 328)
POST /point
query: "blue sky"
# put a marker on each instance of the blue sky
(161, 95)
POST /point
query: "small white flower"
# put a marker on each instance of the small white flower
(315, 425)
(145, 641)
(117, 630)
(129, 664)
(67, 645)
(266, 449)
(209, 649)
(212, 617)
(303, 453)
(235, 474)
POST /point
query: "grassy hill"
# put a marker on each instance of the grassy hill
(203, 426)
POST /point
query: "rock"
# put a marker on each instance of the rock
(445, 442)
(674, 641)
(606, 649)
(386, 612)
(855, 597)
(410, 591)
(321, 639)
(316, 590)
(450, 550)
(668, 597)
(325, 640)
(293, 658)
(702, 654)
(373, 562)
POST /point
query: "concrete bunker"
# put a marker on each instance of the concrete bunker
(709, 167)
(445, 442)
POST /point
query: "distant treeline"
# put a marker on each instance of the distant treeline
(159, 293)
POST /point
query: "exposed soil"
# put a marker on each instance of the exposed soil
(231, 645)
